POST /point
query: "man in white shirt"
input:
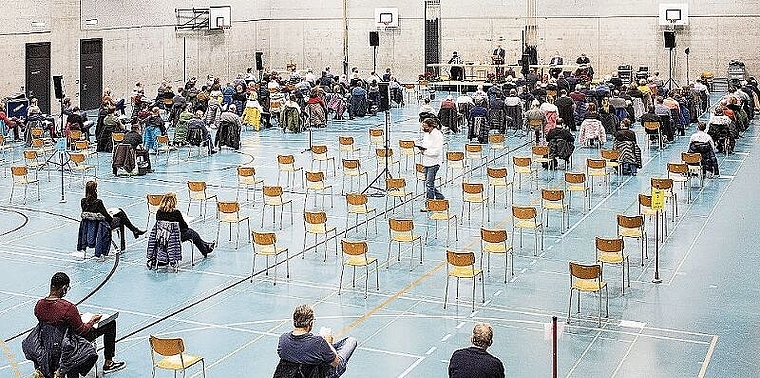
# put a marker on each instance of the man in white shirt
(431, 150)
(701, 136)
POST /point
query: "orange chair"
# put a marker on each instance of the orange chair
(402, 231)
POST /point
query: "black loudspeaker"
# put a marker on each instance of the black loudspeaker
(670, 39)
(374, 39)
(385, 97)
(58, 85)
(259, 60)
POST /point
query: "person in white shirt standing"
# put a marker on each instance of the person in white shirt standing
(431, 150)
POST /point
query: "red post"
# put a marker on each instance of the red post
(554, 347)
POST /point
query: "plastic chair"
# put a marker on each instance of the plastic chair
(633, 227)
(499, 178)
(526, 217)
(438, 210)
(495, 242)
(265, 244)
(20, 176)
(315, 222)
(612, 251)
(174, 356)
(273, 196)
(576, 182)
(554, 200)
(587, 278)
(357, 256)
(315, 182)
(196, 191)
(357, 204)
(402, 231)
(475, 193)
(287, 164)
(319, 155)
(461, 265)
(247, 179)
(229, 212)
(353, 168)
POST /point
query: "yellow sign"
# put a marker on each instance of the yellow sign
(658, 199)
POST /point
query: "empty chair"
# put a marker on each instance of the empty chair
(576, 182)
(229, 212)
(376, 138)
(540, 155)
(679, 172)
(116, 139)
(633, 227)
(597, 168)
(645, 209)
(407, 150)
(357, 204)
(162, 145)
(473, 153)
(385, 157)
(526, 217)
(174, 356)
(612, 157)
(246, 177)
(454, 160)
(694, 161)
(315, 182)
(315, 223)
(356, 256)
(671, 196)
(495, 242)
(461, 265)
(346, 147)
(196, 191)
(33, 162)
(287, 164)
(20, 176)
(319, 155)
(396, 188)
(438, 210)
(496, 145)
(612, 251)
(523, 165)
(475, 193)
(499, 178)
(352, 168)
(402, 231)
(273, 196)
(587, 278)
(554, 200)
(265, 244)
(80, 165)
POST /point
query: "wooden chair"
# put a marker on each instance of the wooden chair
(495, 242)
(346, 147)
(229, 212)
(116, 139)
(80, 165)
(461, 265)
(633, 227)
(376, 139)
(196, 191)
(407, 150)
(319, 155)
(499, 178)
(438, 210)
(174, 356)
(612, 251)
(554, 200)
(356, 255)
(671, 196)
(402, 231)
(680, 173)
(32, 161)
(315, 182)
(396, 188)
(694, 161)
(540, 156)
(612, 157)
(287, 164)
(383, 154)
(454, 160)
(645, 209)
(473, 153)
(154, 202)
(357, 204)
(653, 126)
(315, 223)
(352, 168)
(20, 176)
(475, 193)
(246, 177)
(265, 244)
(587, 278)
(162, 145)
(597, 168)
(526, 217)
(576, 182)
(420, 173)
(523, 165)
(496, 145)
(273, 196)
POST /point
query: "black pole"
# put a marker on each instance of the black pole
(657, 246)
(687, 67)
(554, 347)
(670, 65)
(374, 59)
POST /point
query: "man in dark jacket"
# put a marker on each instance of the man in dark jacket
(135, 139)
(475, 361)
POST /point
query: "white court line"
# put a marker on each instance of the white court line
(708, 357)
(628, 351)
(585, 351)
(410, 368)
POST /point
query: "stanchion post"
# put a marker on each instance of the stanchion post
(554, 347)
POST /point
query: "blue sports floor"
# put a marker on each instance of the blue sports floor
(702, 320)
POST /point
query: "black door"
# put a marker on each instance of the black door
(90, 73)
(38, 74)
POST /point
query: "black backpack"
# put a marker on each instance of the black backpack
(195, 136)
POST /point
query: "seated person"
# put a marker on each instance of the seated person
(197, 123)
(722, 129)
(592, 128)
(475, 361)
(92, 204)
(154, 126)
(630, 153)
(300, 346)
(167, 212)
(55, 310)
(561, 144)
(651, 116)
(9, 124)
(134, 139)
(702, 143)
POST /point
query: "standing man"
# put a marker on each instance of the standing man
(498, 58)
(300, 346)
(55, 310)
(431, 150)
(475, 361)
(457, 71)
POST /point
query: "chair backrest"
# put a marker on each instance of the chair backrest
(196, 186)
(575, 178)
(552, 194)
(540, 150)
(162, 139)
(474, 188)
(437, 205)
(346, 141)
(318, 149)
(678, 168)
(376, 132)
(645, 200)
(473, 148)
(496, 138)
(77, 158)
(497, 173)
(264, 238)
(272, 191)
(37, 132)
(521, 161)
(351, 164)
(610, 155)
(652, 125)
(596, 163)
(37, 142)
(585, 272)
(19, 171)
(246, 171)
(401, 225)
(534, 122)
(662, 183)
(228, 207)
(286, 159)
(625, 221)
(117, 137)
(455, 156)
(691, 158)
(315, 217)
(75, 134)
(30, 154)
(352, 248)
(154, 199)
(356, 199)
(395, 183)
(524, 212)
(81, 145)
(167, 347)
(383, 152)
(493, 236)
(406, 144)
(420, 171)
(609, 245)
(318, 176)
(461, 259)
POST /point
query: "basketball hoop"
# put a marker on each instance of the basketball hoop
(383, 26)
(225, 27)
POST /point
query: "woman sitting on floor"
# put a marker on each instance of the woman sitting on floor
(167, 212)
